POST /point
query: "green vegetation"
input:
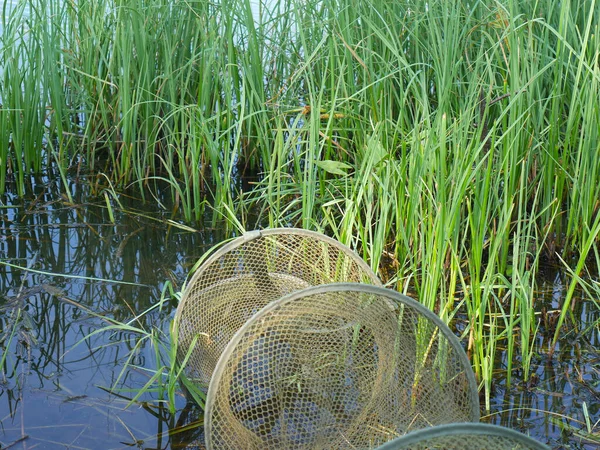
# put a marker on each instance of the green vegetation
(454, 144)
(166, 377)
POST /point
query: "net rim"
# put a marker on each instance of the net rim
(397, 299)
(256, 234)
(459, 429)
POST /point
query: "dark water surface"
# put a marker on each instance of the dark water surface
(553, 405)
(53, 392)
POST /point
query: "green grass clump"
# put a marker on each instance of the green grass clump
(454, 144)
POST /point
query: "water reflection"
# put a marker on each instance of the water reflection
(51, 390)
(550, 407)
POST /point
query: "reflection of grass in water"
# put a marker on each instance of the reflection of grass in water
(83, 434)
(21, 315)
(157, 396)
(587, 431)
(18, 326)
(10, 328)
(166, 377)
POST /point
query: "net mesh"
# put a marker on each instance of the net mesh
(474, 436)
(245, 275)
(338, 366)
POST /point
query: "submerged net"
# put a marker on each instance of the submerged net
(474, 436)
(335, 367)
(246, 274)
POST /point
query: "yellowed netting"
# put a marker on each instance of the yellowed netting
(338, 366)
(245, 275)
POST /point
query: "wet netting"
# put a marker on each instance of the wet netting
(474, 436)
(337, 366)
(243, 276)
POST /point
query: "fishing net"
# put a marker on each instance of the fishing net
(246, 274)
(474, 436)
(335, 367)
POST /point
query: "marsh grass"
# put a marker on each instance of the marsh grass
(454, 145)
(165, 375)
(9, 331)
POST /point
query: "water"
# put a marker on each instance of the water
(552, 405)
(53, 393)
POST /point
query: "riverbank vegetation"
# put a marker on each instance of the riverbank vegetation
(453, 144)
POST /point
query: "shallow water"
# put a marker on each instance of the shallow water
(550, 406)
(50, 389)
(53, 386)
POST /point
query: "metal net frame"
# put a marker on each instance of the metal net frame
(474, 436)
(334, 367)
(246, 274)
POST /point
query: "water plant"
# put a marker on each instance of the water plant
(453, 144)
(166, 377)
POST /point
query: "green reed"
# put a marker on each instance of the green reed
(22, 97)
(452, 161)
(166, 377)
(453, 145)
